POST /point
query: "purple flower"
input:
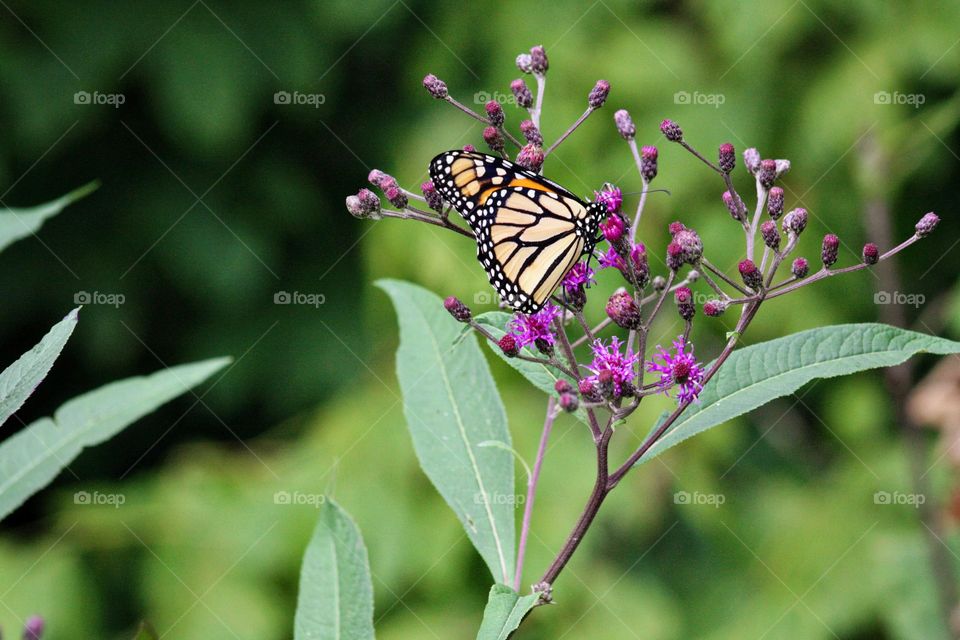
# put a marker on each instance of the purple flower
(619, 365)
(579, 276)
(679, 368)
(527, 329)
(610, 197)
(610, 259)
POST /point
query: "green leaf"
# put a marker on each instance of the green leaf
(32, 457)
(19, 380)
(336, 593)
(541, 376)
(451, 404)
(755, 375)
(17, 223)
(504, 613)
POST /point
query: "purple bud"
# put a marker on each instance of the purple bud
(396, 196)
(562, 386)
(648, 163)
(751, 160)
(795, 221)
(674, 256)
(436, 86)
(671, 131)
(33, 629)
(605, 383)
(767, 173)
(469, 148)
(625, 125)
(508, 344)
(588, 390)
(612, 228)
(525, 63)
(927, 224)
(639, 264)
(684, 299)
(623, 310)
(771, 237)
(494, 113)
(531, 133)
(380, 179)
(751, 274)
(871, 254)
(714, 308)
(775, 202)
(676, 227)
(782, 166)
(734, 205)
(728, 157)
(598, 95)
(543, 346)
(531, 157)
(829, 250)
(364, 205)
(432, 196)
(800, 267)
(522, 93)
(659, 283)
(538, 60)
(491, 135)
(569, 402)
(690, 244)
(459, 311)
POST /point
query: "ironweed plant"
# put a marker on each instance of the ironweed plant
(602, 373)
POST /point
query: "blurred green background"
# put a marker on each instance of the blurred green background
(215, 198)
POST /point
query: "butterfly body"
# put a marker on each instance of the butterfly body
(530, 231)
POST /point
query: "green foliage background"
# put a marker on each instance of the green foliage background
(200, 547)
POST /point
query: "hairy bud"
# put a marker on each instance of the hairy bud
(456, 308)
(648, 162)
(829, 250)
(435, 86)
(727, 157)
(598, 95)
(871, 254)
(751, 274)
(623, 310)
(625, 126)
(522, 93)
(671, 131)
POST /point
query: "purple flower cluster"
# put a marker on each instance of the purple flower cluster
(679, 368)
(609, 363)
(535, 327)
(581, 275)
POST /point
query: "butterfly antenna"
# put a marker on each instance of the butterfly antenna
(637, 193)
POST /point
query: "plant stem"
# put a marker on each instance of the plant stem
(567, 133)
(532, 489)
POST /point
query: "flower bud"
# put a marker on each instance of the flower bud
(800, 268)
(676, 227)
(531, 133)
(623, 310)
(562, 386)
(525, 63)
(494, 113)
(436, 86)
(751, 160)
(605, 383)
(927, 224)
(871, 254)
(714, 308)
(648, 163)
(543, 346)
(396, 196)
(382, 180)
(508, 344)
(588, 390)
(538, 60)
(612, 228)
(33, 629)
(782, 166)
(625, 126)
(829, 250)
(775, 202)
(432, 196)
(684, 299)
(767, 173)
(491, 135)
(693, 275)
(569, 402)
(771, 237)
(734, 205)
(364, 205)
(674, 256)
(671, 131)
(531, 157)
(690, 244)
(459, 311)
(751, 274)
(598, 95)
(659, 283)
(469, 148)
(576, 297)
(795, 221)
(727, 157)
(638, 262)
(522, 93)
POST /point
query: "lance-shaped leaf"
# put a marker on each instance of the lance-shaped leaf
(452, 405)
(32, 457)
(335, 601)
(17, 223)
(504, 613)
(755, 375)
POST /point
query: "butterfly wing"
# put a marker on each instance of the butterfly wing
(530, 231)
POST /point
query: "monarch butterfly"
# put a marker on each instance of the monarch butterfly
(530, 231)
